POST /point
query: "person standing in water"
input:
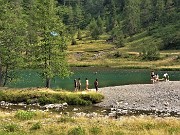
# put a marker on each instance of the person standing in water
(87, 83)
(96, 85)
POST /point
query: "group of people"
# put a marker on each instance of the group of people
(155, 77)
(77, 84)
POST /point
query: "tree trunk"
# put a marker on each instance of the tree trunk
(1, 77)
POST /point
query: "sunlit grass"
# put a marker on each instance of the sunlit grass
(48, 96)
(60, 124)
(90, 52)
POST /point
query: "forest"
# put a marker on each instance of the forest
(35, 34)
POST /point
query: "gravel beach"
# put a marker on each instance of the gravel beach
(161, 97)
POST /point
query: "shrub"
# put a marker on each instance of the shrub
(93, 97)
(173, 130)
(24, 115)
(77, 131)
(76, 100)
(73, 42)
(11, 127)
(79, 35)
(149, 126)
(151, 53)
(117, 54)
(36, 126)
(95, 130)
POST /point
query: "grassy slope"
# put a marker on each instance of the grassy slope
(100, 53)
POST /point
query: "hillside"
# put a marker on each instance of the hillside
(89, 52)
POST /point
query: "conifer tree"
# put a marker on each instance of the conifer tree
(49, 53)
(100, 25)
(94, 30)
(159, 10)
(132, 17)
(146, 12)
(12, 35)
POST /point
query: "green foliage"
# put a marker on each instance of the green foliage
(95, 130)
(93, 97)
(77, 131)
(100, 25)
(11, 127)
(149, 126)
(171, 41)
(36, 126)
(24, 115)
(94, 29)
(73, 99)
(131, 23)
(12, 38)
(173, 130)
(146, 13)
(49, 51)
(151, 53)
(79, 35)
(73, 42)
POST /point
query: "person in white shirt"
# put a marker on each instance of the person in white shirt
(166, 77)
(87, 84)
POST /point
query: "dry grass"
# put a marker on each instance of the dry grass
(58, 124)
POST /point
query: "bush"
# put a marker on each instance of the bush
(36, 126)
(151, 53)
(24, 115)
(77, 131)
(73, 42)
(117, 54)
(79, 35)
(95, 130)
(93, 97)
(77, 100)
(171, 41)
(11, 127)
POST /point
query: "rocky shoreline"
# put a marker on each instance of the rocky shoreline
(162, 98)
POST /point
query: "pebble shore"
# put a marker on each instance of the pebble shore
(158, 97)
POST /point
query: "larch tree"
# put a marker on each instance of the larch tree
(48, 54)
(146, 12)
(12, 36)
(131, 17)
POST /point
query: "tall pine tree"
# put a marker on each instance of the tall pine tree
(132, 17)
(12, 37)
(146, 12)
(49, 53)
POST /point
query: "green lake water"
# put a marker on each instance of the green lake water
(106, 77)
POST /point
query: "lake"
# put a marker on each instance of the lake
(106, 77)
